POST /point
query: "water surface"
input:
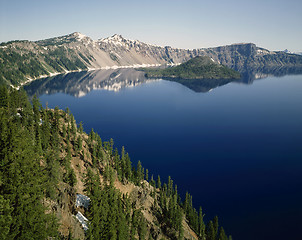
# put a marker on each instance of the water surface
(237, 149)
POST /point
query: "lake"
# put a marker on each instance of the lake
(236, 147)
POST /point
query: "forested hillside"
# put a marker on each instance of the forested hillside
(24, 60)
(47, 159)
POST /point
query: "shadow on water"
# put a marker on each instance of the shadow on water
(78, 84)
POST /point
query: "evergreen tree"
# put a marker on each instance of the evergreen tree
(147, 175)
(4, 97)
(170, 186)
(46, 131)
(81, 128)
(70, 177)
(142, 227)
(128, 172)
(152, 182)
(139, 174)
(215, 225)
(64, 131)
(91, 136)
(201, 228)
(79, 143)
(210, 231)
(222, 235)
(158, 182)
(5, 217)
(73, 126)
(67, 113)
(53, 174)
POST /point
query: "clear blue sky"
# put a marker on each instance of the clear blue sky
(272, 24)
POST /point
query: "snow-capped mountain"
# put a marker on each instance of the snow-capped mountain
(76, 52)
(73, 37)
(117, 51)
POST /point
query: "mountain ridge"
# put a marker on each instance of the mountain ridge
(22, 61)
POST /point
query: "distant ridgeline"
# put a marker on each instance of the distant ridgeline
(196, 68)
(57, 182)
(22, 61)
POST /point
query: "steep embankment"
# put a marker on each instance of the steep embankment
(47, 161)
(21, 61)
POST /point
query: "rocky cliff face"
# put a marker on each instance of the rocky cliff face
(24, 60)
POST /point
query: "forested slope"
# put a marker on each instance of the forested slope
(46, 159)
(21, 61)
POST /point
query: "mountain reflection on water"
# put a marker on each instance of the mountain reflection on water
(78, 84)
(249, 74)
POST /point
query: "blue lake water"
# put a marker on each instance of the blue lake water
(237, 149)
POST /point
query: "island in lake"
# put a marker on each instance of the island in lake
(201, 67)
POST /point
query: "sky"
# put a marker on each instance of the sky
(272, 24)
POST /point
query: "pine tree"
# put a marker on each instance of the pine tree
(81, 128)
(73, 126)
(45, 129)
(215, 225)
(170, 186)
(128, 172)
(91, 136)
(147, 175)
(71, 177)
(139, 174)
(53, 174)
(152, 182)
(5, 217)
(210, 231)
(180, 227)
(64, 131)
(4, 97)
(79, 143)
(142, 227)
(67, 113)
(158, 182)
(222, 235)
(201, 228)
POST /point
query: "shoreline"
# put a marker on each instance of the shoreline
(29, 80)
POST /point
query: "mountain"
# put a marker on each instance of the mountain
(200, 67)
(23, 61)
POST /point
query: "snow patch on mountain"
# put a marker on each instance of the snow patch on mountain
(79, 35)
(289, 52)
